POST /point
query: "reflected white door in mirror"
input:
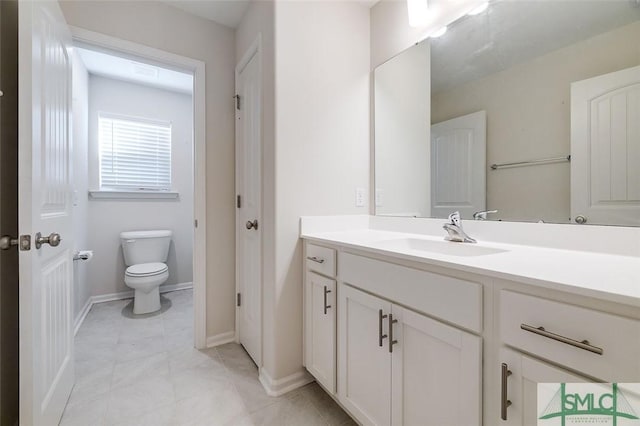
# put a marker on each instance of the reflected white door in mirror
(605, 147)
(458, 165)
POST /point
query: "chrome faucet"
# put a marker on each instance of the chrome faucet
(482, 215)
(454, 228)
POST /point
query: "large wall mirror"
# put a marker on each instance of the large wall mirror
(530, 108)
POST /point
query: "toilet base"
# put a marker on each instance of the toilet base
(146, 302)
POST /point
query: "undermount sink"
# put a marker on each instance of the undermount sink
(440, 247)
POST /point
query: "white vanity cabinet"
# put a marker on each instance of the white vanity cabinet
(397, 341)
(320, 315)
(399, 367)
(519, 376)
(364, 361)
(597, 345)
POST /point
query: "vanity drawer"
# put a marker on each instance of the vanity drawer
(600, 345)
(452, 299)
(321, 259)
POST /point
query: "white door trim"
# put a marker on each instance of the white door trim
(199, 137)
(254, 49)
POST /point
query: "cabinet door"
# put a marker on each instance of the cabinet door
(320, 330)
(522, 386)
(364, 381)
(436, 372)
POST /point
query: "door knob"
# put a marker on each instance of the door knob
(253, 224)
(53, 240)
(24, 241)
(6, 242)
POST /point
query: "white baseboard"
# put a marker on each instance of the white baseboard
(175, 287)
(286, 384)
(221, 339)
(102, 298)
(82, 315)
(120, 296)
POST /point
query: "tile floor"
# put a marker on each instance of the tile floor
(146, 372)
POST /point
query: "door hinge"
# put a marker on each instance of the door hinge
(238, 299)
(237, 98)
(195, 223)
(239, 201)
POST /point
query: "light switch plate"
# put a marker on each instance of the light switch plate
(360, 197)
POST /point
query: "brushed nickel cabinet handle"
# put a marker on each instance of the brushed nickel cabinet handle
(391, 341)
(584, 344)
(326, 291)
(504, 397)
(380, 335)
(315, 259)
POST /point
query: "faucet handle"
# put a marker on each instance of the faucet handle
(454, 218)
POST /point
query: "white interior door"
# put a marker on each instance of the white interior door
(458, 165)
(605, 149)
(248, 223)
(44, 206)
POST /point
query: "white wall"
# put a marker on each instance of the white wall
(322, 146)
(402, 134)
(529, 117)
(80, 90)
(170, 29)
(107, 218)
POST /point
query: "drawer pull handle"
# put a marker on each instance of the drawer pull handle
(380, 335)
(504, 397)
(315, 259)
(578, 344)
(326, 291)
(391, 341)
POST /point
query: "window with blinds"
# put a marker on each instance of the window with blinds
(134, 154)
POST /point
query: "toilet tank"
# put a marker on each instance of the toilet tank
(145, 246)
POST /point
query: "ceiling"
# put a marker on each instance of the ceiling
(107, 65)
(513, 32)
(225, 12)
(228, 12)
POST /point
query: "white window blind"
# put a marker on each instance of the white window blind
(134, 154)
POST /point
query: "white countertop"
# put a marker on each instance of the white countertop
(609, 277)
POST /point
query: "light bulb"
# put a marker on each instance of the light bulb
(439, 32)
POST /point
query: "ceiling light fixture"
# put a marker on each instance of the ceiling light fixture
(439, 32)
(479, 9)
(418, 11)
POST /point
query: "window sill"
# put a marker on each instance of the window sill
(133, 195)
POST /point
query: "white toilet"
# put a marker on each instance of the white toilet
(145, 253)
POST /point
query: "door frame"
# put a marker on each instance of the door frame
(255, 49)
(199, 157)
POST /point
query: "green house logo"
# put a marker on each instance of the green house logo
(589, 403)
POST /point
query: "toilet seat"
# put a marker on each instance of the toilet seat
(146, 269)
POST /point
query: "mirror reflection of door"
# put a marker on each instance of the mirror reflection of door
(458, 165)
(605, 149)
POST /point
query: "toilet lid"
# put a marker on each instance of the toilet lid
(146, 269)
